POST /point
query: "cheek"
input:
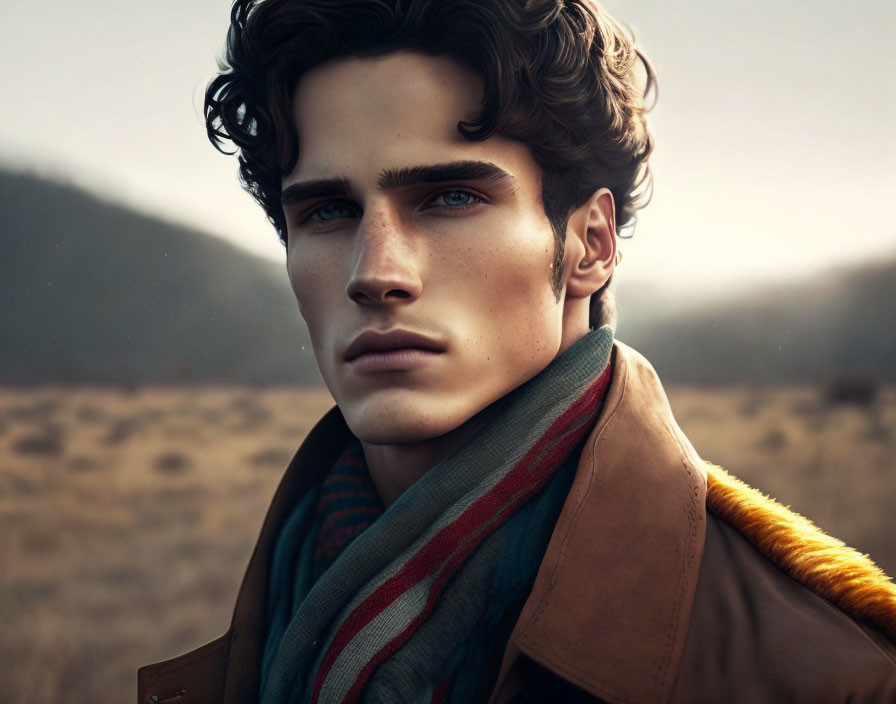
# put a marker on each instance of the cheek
(513, 272)
(513, 311)
(310, 287)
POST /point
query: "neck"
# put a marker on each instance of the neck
(393, 468)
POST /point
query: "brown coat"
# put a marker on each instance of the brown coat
(651, 590)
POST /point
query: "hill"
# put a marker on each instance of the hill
(95, 292)
(840, 321)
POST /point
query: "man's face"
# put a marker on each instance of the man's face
(418, 229)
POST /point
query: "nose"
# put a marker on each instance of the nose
(385, 269)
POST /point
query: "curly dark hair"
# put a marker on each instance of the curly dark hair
(560, 76)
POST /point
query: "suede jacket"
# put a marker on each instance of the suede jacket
(665, 581)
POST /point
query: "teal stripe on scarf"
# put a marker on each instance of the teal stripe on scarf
(307, 618)
(490, 602)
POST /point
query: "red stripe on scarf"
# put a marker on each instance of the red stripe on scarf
(352, 510)
(468, 530)
(330, 539)
(441, 693)
(481, 531)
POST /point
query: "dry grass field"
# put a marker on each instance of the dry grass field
(127, 518)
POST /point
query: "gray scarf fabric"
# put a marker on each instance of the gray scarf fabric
(418, 607)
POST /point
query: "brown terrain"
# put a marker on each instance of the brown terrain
(127, 517)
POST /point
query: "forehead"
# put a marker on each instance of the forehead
(355, 117)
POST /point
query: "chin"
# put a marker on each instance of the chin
(400, 422)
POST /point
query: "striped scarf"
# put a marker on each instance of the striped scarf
(415, 603)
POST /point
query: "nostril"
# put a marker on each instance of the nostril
(365, 295)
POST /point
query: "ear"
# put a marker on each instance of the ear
(591, 245)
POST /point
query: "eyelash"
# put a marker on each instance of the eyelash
(479, 199)
(308, 219)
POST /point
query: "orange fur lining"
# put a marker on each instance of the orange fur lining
(840, 574)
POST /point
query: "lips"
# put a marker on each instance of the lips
(372, 341)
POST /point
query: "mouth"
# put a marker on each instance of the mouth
(395, 347)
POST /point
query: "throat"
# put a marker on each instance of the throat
(394, 468)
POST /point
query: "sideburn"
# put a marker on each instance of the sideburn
(559, 229)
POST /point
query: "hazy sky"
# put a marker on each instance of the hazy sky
(775, 150)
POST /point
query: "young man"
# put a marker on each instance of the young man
(501, 507)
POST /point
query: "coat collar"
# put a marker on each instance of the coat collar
(611, 602)
(228, 668)
(309, 465)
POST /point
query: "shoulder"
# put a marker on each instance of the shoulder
(706, 590)
(784, 612)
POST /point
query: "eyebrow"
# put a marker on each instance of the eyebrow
(392, 179)
(325, 188)
(439, 173)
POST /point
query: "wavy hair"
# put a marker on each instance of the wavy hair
(560, 76)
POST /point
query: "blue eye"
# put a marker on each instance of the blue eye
(331, 211)
(455, 199)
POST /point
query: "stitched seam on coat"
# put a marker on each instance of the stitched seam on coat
(565, 542)
(690, 544)
(562, 667)
(681, 586)
(681, 583)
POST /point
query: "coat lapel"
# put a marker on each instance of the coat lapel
(227, 669)
(308, 467)
(610, 605)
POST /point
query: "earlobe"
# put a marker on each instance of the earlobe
(591, 245)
